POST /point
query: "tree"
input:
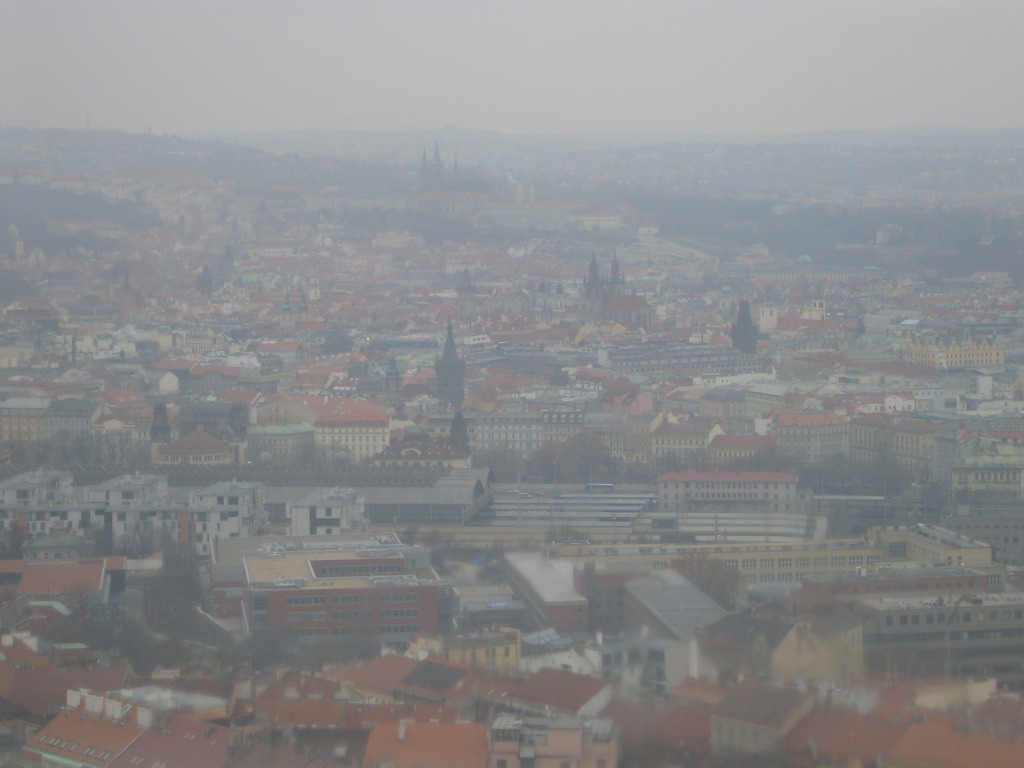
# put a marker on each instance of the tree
(840, 475)
(506, 463)
(582, 458)
(744, 331)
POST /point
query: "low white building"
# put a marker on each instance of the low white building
(326, 511)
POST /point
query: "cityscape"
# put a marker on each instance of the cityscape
(658, 444)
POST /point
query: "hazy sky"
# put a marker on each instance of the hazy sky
(522, 66)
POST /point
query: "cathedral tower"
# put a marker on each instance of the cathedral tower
(451, 374)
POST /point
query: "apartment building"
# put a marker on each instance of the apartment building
(888, 439)
(222, 510)
(21, 419)
(682, 493)
(326, 511)
(965, 635)
(812, 436)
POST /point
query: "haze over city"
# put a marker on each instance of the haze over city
(665, 67)
(481, 384)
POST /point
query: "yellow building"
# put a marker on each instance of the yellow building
(21, 419)
(789, 563)
(681, 438)
(357, 436)
(942, 355)
(821, 649)
(497, 650)
(930, 545)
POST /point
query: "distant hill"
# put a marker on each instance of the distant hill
(257, 171)
(27, 207)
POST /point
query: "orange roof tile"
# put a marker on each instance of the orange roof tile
(412, 745)
(77, 737)
(559, 689)
(62, 578)
(180, 742)
(934, 743)
(384, 673)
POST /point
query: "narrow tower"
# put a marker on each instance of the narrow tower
(451, 374)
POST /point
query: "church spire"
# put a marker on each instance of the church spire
(450, 353)
(451, 373)
(592, 275)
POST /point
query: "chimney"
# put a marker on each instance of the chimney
(145, 717)
(112, 708)
(74, 699)
(93, 704)
(402, 724)
(600, 637)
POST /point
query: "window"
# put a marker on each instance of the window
(306, 616)
(319, 600)
(399, 597)
(399, 613)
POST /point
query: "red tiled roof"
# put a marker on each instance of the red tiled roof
(759, 704)
(62, 578)
(413, 745)
(743, 441)
(122, 397)
(180, 742)
(176, 366)
(559, 689)
(843, 735)
(384, 673)
(240, 395)
(195, 442)
(44, 691)
(934, 743)
(684, 728)
(85, 736)
(809, 419)
(224, 370)
(19, 654)
(679, 728)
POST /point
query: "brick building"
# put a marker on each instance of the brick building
(389, 594)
